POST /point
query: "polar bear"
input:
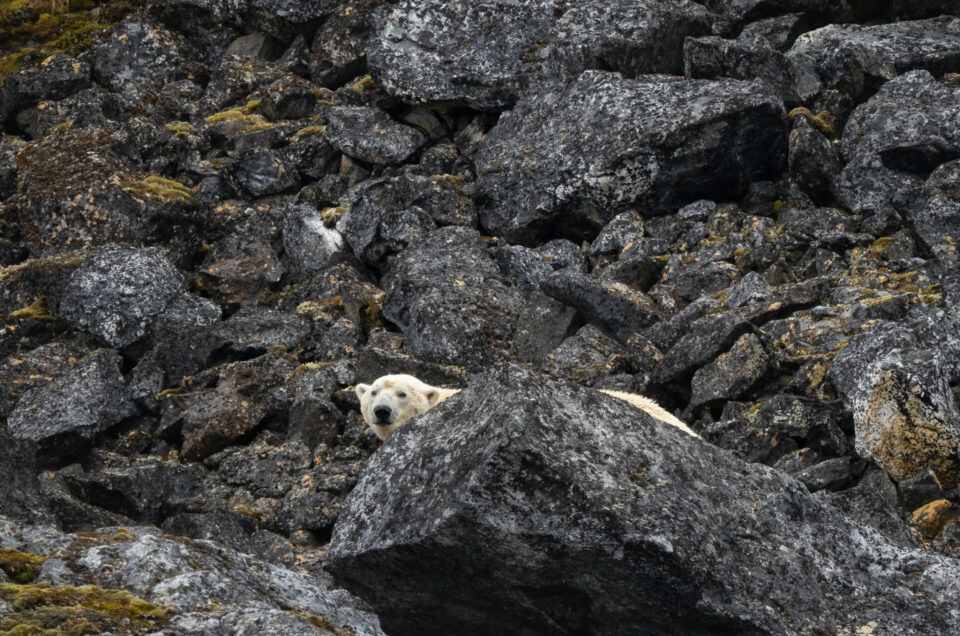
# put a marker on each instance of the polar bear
(393, 399)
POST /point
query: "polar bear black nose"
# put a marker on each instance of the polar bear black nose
(382, 413)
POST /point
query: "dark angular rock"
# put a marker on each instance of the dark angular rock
(621, 310)
(748, 58)
(239, 402)
(731, 374)
(140, 56)
(370, 135)
(118, 293)
(832, 474)
(704, 279)
(523, 267)
(706, 338)
(622, 230)
(234, 78)
(290, 97)
(258, 45)
(283, 19)
(483, 562)
(64, 416)
(254, 330)
(813, 159)
(384, 216)
(570, 161)
(21, 372)
(810, 423)
(587, 357)
(894, 141)
(856, 58)
(261, 172)
(631, 37)
(308, 244)
(418, 53)
(446, 294)
(779, 31)
(339, 50)
(920, 490)
(55, 78)
(873, 502)
(936, 219)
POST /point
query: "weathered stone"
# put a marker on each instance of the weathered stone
(731, 374)
(256, 45)
(571, 160)
(622, 231)
(748, 58)
(873, 502)
(896, 139)
(587, 357)
(630, 37)
(813, 159)
(706, 338)
(936, 220)
(832, 474)
(118, 293)
(418, 53)
(855, 58)
(261, 172)
(64, 416)
(55, 78)
(369, 134)
(618, 308)
(339, 50)
(240, 400)
(288, 98)
(308, 244)
(620, 470)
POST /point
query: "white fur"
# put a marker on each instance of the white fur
(406, 396)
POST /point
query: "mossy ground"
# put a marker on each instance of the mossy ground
(32, 30)
(67, 610)
(21, 567)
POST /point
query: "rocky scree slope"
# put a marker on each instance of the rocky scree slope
(217, 217)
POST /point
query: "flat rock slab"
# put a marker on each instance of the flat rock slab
(606, 144)
(531, 506)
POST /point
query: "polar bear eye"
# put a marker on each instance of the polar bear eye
(372, 393)
(401, 395)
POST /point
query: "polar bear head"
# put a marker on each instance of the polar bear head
(393, 399)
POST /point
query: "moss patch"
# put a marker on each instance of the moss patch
(156, 187)
(21, 567)
(68, 610)
(37, 310)
(824, 121)
(32, 30)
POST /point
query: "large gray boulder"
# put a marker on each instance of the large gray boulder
(603, 145)
(856, 58)
(893, 141)
(527, 506)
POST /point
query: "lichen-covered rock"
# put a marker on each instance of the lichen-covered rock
(873, 502)
(289, 98)
(308, 244)
(242, 397)
(731, 374)
(369, 134)
(572, 160)
(283, 19)
(447, 295)
(118, 293)
(813, 158)
(855, 58)
(558, 477)
(339, 50)
(749, 58)
(63, 417)
(936, 219)
(587, 357)
(893, 141)
(56, 77)
(419, 55)
(904, 411)
(170, 585)
(619, 308)
(261, 172)
(630, 37)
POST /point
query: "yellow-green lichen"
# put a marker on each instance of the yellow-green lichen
(61, 127)
(823, 121)
(245, 115)
(307, 131)
(452, 179)
(179, 128)
(37, 310)
(157, 187)
(66, 610)
(21, 567)
(881, 245)
(332, 215)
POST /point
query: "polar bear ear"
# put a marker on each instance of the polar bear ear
(433, 396)
(362, 389)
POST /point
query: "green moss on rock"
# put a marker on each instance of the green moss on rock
(21, 567)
